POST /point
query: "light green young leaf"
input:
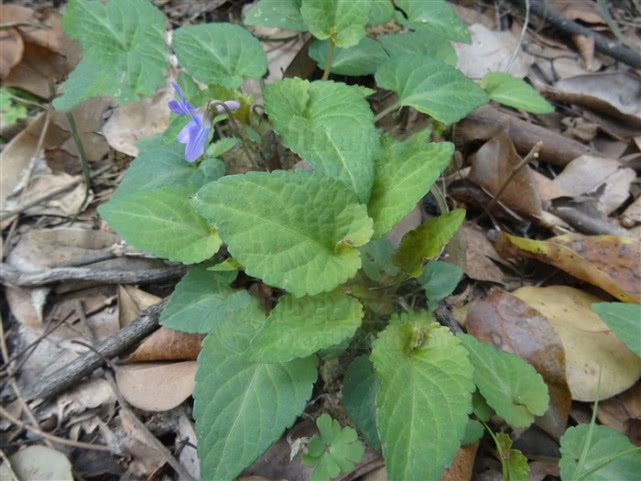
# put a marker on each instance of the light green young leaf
(361, 59)
(335, 451)
(203, 299)
(514, 462)
(162, 222)
(439, 279)
(328, 124)
(427, 240)
(359, 398)
(124, 54)
(381, 11)
(608, 456)
(474, 431)
(422, 41)
(219, 53)
(425, 396)
(437, 16)
(510, 385)
(377, 259)
(278, 14)
(299, 327)
(161, 164)
(235, 396)
(403, 174)
(295, 230)
(10, 111)
(514, 92)
(342, 21)
(222, 146)
(624, 320)
(430, 86)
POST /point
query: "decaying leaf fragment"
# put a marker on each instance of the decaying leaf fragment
(606, 261)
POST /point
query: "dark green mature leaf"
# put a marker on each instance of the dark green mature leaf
(162, 164)
(439, 279)
(203, 299)
(124, 54)
(514, 92)
(359, 398)
(235, 396)
(377, 259)
(299, 327)
(437, 16)
(161, 221)
(337, 450)
(361, 59)
(510, 385)
(624, 320)
(295, 230)
(342, 21)
(421, 42)
(403, 174)
(430, 86)
(278, 14)
(427, 240)
(598, 453)
(219, 53)
(328, 124)
(424, 399)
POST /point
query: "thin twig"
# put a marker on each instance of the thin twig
(51, 437)
(517, 48)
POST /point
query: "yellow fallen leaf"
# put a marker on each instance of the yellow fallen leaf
(591, 348)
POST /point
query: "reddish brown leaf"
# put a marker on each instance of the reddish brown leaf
(609, 262)
(623, 413)
(512, 325)
(168, 345)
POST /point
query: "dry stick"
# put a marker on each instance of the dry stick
(84, 365)
(603, 44)
(11, 276)
(534, 153)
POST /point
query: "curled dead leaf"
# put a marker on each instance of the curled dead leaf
(156, 386)
(166, 344)
(606, 261)
(512, 325)
(597, 363)
(623, 413)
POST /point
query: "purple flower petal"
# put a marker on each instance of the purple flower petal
(230, 104)
(196, 146)
(184, 135)
(177, 108)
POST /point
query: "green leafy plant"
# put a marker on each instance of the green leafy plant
(315, 237)
(334, 451)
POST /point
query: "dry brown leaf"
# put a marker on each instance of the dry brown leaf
(493, 167)
(609, 262)
(594, 356)
(156, 386)
(131, 302)
(585, 46)
(587, 173)
(166, 344)
(146, 460)
(487, 121)
(16, 156)
(612, 93)
(587, 12)
(37, 67)
(490, 51)
(632, 214)
(512, 325)
(88, 118)
(479, 255)
(547, 188)
(137, 120)
(11, 51)
(623, 413)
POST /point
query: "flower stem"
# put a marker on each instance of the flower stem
(386, 111)
(330, 59)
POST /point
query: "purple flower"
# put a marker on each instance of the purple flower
(194, 135)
